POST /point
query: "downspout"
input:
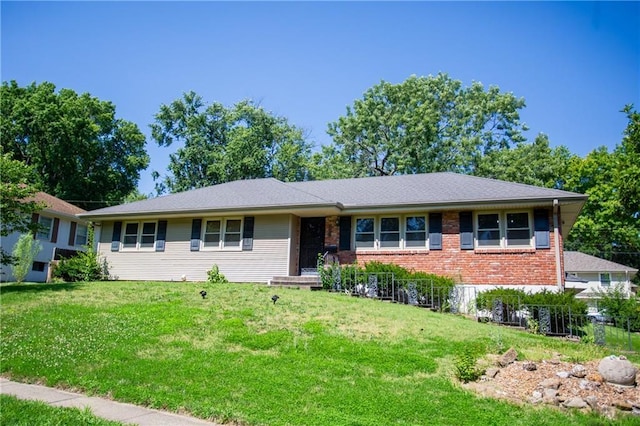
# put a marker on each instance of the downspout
(556, 240)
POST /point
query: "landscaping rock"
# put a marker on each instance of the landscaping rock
(592, 401)
(576, 402)
(492, 372)
(529, 366)
(550, 396)
(617, 371)
(578, 371)
(562, 374)
(623, 405)
(551, 383)
(508, 357)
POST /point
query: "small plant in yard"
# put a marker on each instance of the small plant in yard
(466, 366)
(214, 276)
(533, 326)
(24, 252)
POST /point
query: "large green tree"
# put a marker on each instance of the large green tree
(223, 144)
(530, 163)
(80, 150)
(17, 187)
(609, 224)
(424, 124)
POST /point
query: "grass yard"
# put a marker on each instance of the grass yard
(313, 358)
(17, 412)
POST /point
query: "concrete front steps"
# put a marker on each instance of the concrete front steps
(303, 282)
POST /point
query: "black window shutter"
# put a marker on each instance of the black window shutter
(54, 233)
(466, 230)
(162, 235)
(72, 233)
(35, 217)
(345, 232)
(247, 233)
(541, 228)
(195, 234)
(115, 237)
(435, 231)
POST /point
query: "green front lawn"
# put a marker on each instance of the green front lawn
(17, 412)
(313, 358)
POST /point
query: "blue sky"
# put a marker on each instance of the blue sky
(576, 63)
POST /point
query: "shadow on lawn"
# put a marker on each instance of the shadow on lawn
(36, 287)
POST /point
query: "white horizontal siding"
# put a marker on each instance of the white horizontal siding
(45, 255)
(268, 258)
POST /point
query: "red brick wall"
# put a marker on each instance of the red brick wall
(520, 267)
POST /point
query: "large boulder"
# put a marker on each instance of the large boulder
(617, 371)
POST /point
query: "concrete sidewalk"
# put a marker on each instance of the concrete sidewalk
(111, 410)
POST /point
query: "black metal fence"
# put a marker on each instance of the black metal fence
(549, 320)
(561, 321)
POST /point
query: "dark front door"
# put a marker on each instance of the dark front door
(311, 242)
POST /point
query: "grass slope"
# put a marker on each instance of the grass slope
(313, 358)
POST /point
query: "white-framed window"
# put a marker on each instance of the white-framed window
(415, 231)
(81, 235)
(389, 232)
(505, 229)
(130, 239)
(212, 233)
(605, 279)
(222, 233)
(232, 232)
(518, 229)
(365, 232)
(45, 226)
(139, 235)
(488, 230)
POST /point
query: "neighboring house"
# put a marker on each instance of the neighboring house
(61, 233)
(588, 275)
(482, 232)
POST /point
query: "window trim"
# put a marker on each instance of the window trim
(402, 232)
(425, 231)
(600, 275)
(356, 233)
(222, 242)
(503, 229)
(139, 234)
(39, 234)
(86, 234)
(399, 232)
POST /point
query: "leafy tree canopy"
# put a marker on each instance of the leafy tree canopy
(609, 224)
(424, 124)
(225, 144)
(80, 150)
(16, 189)
(533, 164)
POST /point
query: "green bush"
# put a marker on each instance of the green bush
(84, 266)
(214, 276)
(619, 308)
(466, 369)
(508, 296)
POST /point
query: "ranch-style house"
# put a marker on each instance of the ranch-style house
(482, 232)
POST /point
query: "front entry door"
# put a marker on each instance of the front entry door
(311, 242)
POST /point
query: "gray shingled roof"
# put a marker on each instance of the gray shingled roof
(575, 261)
(436, 189)
(430, 188)
(237, 195)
